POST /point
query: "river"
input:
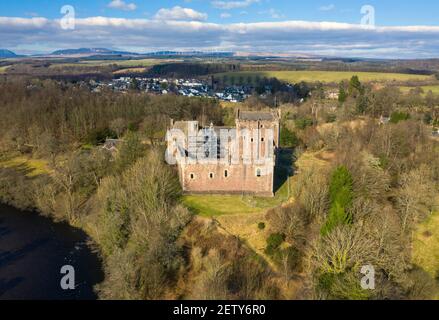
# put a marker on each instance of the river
(33, 249)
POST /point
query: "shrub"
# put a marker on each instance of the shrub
(288, 139)
(331, 118)
(399, 116)
(341, 196)
(273, 242)
(100, 135)
(303, 123)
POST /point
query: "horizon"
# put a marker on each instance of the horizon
(349, 29)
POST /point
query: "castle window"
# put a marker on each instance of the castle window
(226, 173)
(258, 173)
(251, 140)
(192, 176)
(262, 139)
(211, 175)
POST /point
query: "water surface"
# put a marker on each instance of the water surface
(33, 249)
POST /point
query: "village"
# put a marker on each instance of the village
(181, 87)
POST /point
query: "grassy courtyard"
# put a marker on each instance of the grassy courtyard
(218, 205)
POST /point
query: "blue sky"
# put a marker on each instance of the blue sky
(405, 29)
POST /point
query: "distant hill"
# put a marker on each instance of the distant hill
(90, 51)
(7, 54)
(191, 54)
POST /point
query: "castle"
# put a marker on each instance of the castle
(227, 160)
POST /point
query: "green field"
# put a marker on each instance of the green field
(32, 167)
(426, 89)
(3, 69)
(322, 76)
(426, 247)
(218, 205)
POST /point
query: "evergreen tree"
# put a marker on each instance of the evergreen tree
(342, 94)
(341, 196)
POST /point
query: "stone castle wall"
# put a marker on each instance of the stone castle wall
(237, 177)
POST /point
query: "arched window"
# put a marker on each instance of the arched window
(258, 173)
(226, 173)
(192, 176)
(211, 175)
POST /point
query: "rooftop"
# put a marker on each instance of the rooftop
(257, 115)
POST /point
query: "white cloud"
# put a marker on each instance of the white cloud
(225, 15)
(275, 14)
(143, 35)
(23, 22)
(329, 7)
(122, 5)
(179, 13)
(227, 5)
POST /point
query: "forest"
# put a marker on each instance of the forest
(359, 202)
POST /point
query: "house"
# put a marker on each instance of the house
(332, 95)
(112, 145)
(227, 160)
(384, 120)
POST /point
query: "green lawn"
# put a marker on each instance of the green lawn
(217, 205)
(425, 252)
(426, 245)
(32, 167)
(322, 76)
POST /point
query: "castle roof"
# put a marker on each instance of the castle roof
(256, 116)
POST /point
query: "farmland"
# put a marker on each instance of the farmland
(120, 63)
(322, 76)
(434, 89)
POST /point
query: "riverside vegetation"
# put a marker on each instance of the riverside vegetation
(359, 204)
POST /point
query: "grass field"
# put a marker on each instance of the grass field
(218, 205)
(131, 70)
(121, 63)
(32, 167)
(322, 76)
(125, 63)
(425, 252)
(3, 69)
(426, 89)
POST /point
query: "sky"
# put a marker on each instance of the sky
(348, 28)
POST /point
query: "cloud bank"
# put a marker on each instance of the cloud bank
(180, 29)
